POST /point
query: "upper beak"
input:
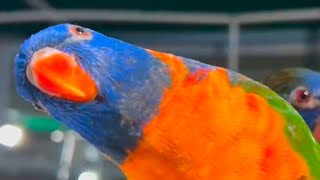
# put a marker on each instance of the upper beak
(58, 74)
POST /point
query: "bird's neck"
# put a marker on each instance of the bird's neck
(140, 92)
(116, 125)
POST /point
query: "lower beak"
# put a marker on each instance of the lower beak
(58, 74)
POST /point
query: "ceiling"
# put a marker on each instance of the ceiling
(176, 5)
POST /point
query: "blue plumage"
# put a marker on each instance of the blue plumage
(130, 83)
(312, 81)
(310, 116)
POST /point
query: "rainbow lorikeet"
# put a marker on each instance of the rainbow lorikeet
(301, 88)
(158, 115)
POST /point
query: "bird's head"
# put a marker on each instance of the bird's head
(301, 88)
(99, 86)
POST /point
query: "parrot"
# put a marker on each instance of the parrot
(158, 115)
(301, 88)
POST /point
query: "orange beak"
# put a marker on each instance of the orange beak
(58, 74)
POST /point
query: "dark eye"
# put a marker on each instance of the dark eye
(80, 30)
(302, 95)
(99, 99)
(38, 107)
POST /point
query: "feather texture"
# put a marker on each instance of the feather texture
(163, 116)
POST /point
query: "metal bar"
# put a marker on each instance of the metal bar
(31, 16)
(233, 46)
(279, 16)
(5, 80)
(66, 156)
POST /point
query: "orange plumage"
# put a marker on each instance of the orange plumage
(159, 116)
(239, 135)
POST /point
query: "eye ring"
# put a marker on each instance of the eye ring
(300, 96)
(38, 107)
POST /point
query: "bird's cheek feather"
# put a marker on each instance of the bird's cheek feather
(57, 73)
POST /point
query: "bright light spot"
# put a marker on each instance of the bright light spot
(10, 135)
(91, 153)
(57, 136)
(88, 175)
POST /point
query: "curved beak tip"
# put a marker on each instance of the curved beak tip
(57, 73)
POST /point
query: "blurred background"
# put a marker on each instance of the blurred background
(252, 37)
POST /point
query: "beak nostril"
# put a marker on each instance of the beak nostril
(41, 52)
(45, 52)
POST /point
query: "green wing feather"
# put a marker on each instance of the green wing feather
(296, 129)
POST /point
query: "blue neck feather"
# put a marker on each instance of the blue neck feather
(310, 116)
(131, 84)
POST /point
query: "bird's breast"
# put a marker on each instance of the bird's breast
(208, 129)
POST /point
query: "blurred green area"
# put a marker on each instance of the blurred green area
(40, 124)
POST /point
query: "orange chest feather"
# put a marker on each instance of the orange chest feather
(211, 130)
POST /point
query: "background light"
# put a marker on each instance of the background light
(57, 136)
(88, 175)
(10, 135)
(91, 154)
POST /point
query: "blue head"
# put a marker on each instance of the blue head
(300, 87)
(101, 87)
